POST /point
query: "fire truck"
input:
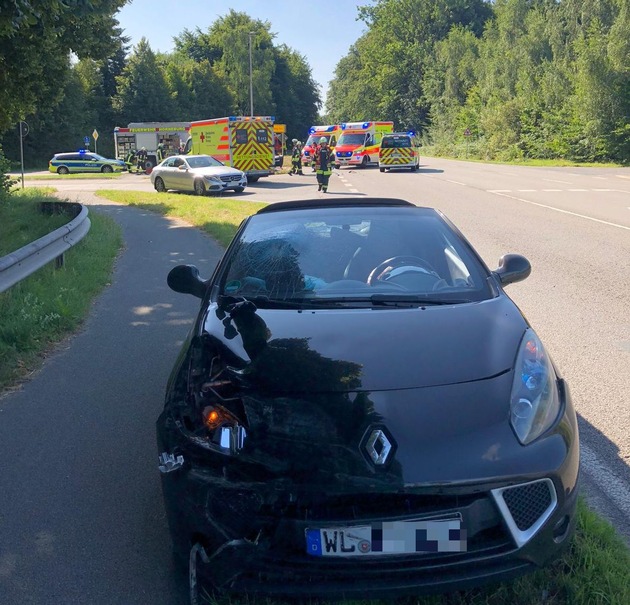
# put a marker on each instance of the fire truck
(243, 142)
(149, 135)
(360, 143)
(330, 132)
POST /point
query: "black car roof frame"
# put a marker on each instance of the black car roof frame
(335, 203)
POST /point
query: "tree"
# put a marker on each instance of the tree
(36, 39)
(143, 94)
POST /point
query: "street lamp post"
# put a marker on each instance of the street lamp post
(251, 81)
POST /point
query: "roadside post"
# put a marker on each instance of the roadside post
(23, 132)
(95, 137)
(467, 135)
(86, 142)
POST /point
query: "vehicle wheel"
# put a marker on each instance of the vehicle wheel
(200, 188)
(239, 189)
(252, 179)
(382, 169)
(415, 167)
(365, 161)
(62, 170)
(159, 185)
(107, 169)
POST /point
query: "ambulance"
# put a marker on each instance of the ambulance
(242, 142)
(399, 150)
(360, 143)
(149, 135)
(330, 132)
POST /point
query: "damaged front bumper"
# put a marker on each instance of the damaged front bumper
(251, 535)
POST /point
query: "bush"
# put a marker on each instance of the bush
(6, 182)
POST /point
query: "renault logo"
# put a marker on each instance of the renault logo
(378, 446)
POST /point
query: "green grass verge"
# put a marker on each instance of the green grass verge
(51, 303)
(217, 216)
(460, 153)
(22, 222)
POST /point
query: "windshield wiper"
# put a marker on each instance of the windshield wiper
(264, 302)
(414, 299)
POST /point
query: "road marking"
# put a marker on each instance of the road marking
(601, 178)
(606, 480)
(552, 189)
(456, 182)
(577, 189)
(347, 184)
(588, 218)
(354, 191)
(499, 190)
(622, 176)
(525, 190)
(553, 181)
(603, 189)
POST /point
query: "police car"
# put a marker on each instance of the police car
(84, 161)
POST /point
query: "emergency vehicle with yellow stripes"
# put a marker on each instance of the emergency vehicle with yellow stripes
(360, 143)
(399, 150)
(242, 142)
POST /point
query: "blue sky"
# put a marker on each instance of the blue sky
(320, 30)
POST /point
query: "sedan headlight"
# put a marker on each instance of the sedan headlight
(534, 403)
(212, 179)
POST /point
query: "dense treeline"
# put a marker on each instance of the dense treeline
(499, 80)
(80, 88)
(525, 78)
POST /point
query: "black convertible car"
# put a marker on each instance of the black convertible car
(361, 411)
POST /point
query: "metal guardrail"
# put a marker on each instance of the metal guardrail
(16, 266)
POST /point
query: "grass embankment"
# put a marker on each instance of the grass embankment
(51, 303)
(48, 305)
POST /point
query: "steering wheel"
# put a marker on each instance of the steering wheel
(379, 273)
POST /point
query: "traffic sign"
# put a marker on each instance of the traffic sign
(467, 132)
(95, 135)
(86, 140)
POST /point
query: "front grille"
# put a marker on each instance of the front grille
(527, 503)
(231, 178)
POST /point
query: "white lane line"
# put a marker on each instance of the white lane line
(577, 189)
(601, 178)
(456, 182)
(606, 480)
(552, 189)
(588, 218)
(525, 190)
(622, 176)
(354, 191)
(347, 184)
(499, 190)
(553, 181)
(603, 189)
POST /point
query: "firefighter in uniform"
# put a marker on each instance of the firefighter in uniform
(130, 160)
(142, 158)
(296, 158)
(324, 165)
(160, 152)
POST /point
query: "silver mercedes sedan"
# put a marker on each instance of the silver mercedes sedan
(198, 173)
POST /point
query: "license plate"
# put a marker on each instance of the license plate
(388, 538)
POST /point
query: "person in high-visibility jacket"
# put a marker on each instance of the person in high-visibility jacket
(324, 162)
(296, 158)
(160, 152)
(130, 160)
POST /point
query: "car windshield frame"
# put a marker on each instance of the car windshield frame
(301, 246)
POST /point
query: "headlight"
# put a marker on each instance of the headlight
(534, 403)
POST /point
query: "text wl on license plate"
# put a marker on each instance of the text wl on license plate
(388, 538)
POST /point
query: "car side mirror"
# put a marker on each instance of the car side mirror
(185, 280)
(182, 167)
(512, 268)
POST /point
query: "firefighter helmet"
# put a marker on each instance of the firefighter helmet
(323, 140)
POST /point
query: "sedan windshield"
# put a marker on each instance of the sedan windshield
(202, 161)
(359, 256)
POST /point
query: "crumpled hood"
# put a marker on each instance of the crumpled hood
(344, 350)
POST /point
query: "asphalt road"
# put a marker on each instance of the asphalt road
(81, 516)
